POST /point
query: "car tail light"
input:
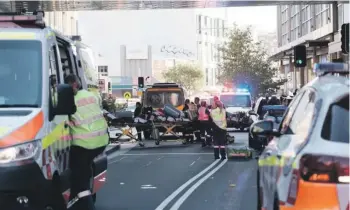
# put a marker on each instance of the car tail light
(324, 169)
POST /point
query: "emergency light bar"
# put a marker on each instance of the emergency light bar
(326, 68)
(37, 18)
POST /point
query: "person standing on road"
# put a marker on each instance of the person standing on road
(203, 117)
(218, 115)
(89, 132)
(137, 113)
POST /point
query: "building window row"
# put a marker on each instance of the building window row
(210, 26)
(103, 69)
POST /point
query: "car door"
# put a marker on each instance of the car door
(295, 129)
(269, 158)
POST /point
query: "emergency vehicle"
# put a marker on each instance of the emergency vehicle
(238, 105)
(306, 164)
(34, 108)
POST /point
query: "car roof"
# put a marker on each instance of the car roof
(329, 87)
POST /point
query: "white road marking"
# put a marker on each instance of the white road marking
(182, 187)
(149, 163)
(187, 194)
(193, 163)
(148, 154)
(117, 160)
(148, 186)
(160, 158)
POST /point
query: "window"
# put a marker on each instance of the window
(336, 124)
(207, 76)
(200, 24)
(289, 113)
(301, 121)
(54, 75)
(20, 73)
(236, 100)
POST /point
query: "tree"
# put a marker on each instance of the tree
(246, 62)
(187, 75)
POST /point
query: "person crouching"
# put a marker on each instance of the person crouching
(218, 115)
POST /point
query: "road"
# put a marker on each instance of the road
(149, 179)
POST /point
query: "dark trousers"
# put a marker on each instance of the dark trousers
(81, 161)
(139, 133)
(197, 133)
(205, 127)
(219, 140)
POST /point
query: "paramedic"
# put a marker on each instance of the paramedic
(204, 123)
(218, 115)
(137, 113)
(88, 130)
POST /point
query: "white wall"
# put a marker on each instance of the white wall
(105, 31)
(65, 22)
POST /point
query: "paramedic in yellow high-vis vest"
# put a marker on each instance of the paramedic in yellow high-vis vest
(218, 116)
(88, 129)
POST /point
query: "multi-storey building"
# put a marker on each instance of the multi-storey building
(65, 22)
(317, 27)
(187, 34)
(211, 31)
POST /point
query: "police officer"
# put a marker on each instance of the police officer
(88, 129)
(218, 116)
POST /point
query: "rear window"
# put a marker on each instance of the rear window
(336, 125)
(236, 100)
(157, 99)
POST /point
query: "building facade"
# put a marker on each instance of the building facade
(186, 34)
(211, 33)
(65, 22)
(317, 27)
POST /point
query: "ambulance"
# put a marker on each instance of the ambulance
(34, 107)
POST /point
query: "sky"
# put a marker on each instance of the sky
(118, 30)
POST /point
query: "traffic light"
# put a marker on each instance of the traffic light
(345, 38)
(141, 82)
(300, 56)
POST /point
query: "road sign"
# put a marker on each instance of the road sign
(127, 95)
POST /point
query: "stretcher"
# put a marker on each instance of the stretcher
(159, 126)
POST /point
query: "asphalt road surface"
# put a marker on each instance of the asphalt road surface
(173, 176)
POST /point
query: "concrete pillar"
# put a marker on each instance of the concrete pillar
(302, 76)
(293, 71)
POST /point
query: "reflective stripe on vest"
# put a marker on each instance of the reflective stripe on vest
(219, 118)
(88, 126)
(202, 115)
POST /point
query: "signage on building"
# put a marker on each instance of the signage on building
(102, 84)
(136, 52)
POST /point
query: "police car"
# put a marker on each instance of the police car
(306, 164)
(238, 105)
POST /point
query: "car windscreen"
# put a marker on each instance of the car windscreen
(236, 100)
(157, 99)
(20, 73)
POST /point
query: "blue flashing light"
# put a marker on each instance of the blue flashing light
(242, 90)
(323, 68)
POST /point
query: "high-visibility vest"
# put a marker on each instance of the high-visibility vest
(88, 126)
(219, 118)
(202, 115)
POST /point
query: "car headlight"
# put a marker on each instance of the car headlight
(20, 152)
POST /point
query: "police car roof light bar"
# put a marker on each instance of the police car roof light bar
(330, 68)
(37, 17)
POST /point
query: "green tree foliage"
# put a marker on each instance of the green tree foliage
(246, 62)
(187, 75)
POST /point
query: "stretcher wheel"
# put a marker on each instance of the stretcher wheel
(157, 142)
(141, 144)
(184, 141)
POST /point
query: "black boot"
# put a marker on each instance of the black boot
(223, 153)
(216, 153)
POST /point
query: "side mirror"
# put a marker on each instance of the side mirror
(65, 100)
(262, 128)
